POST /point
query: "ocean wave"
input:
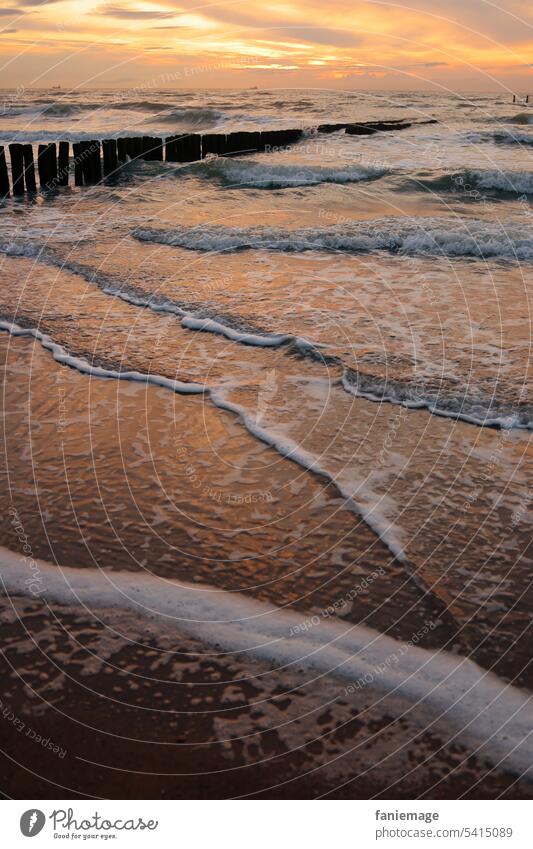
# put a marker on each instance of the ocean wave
(137, 105)
(51, 109)
(441, 400)
(251, 174)
(481, 710)
(510, 137)
(191, 317)
(463, 182)
(439, 397)
(193, 116)
(409, 236)
(63, 110)
(521, 118)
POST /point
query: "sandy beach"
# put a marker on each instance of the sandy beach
(265, 528)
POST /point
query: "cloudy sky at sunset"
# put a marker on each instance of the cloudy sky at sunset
(458, 44)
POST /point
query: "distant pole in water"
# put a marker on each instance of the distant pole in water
(527, 98)
(17, 168)
(4, 179)
(514, 98)
(29, 168)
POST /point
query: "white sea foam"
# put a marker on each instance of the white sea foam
(188, 319)
(466, 702)
(471, 410)
(356, 497)
(60, 355)
(467, 409)
(193, 116)
(520, 182)
(472, 180)
(502, 136)
(411, 236)
(250, 174)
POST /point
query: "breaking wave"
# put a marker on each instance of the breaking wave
(192, 117)
(510, 137)
(407, 236)
(439, 396)
(441, 400)
(461, 697)
(251, 174)
(507, 182)
(521, 118)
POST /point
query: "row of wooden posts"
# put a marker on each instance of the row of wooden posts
(95, 160)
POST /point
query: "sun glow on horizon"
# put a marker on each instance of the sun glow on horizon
(235, 44)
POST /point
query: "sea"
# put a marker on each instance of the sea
(280, 404)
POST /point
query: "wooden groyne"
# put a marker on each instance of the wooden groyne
(95, 160)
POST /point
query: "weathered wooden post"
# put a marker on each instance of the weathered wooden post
(193, 148)
(52, 165)
(147, 145)
(78, 164)
(86, 162)
(29, 168)
(96, 161)
(4, 178)
(109, 150)
(43, 165)
(17, 168)
(171, 149)
(130, 147)
(121, 150)
(213, 143)
(62, 177)
(157, 153)
(47, 164)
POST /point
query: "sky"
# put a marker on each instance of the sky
(458, 45)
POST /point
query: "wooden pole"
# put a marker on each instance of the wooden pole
(109, 150)
(78, 166)
(214, 144)
(96, 162)
(147, 145)
(157, 151)
(52, 160)
(17, 168)
(86, 162)
(193, 148)
(130, 147)
(62, 177)
(121, 150)
(29, 168)
(4, 178)
(42, 165)
(171, 149)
